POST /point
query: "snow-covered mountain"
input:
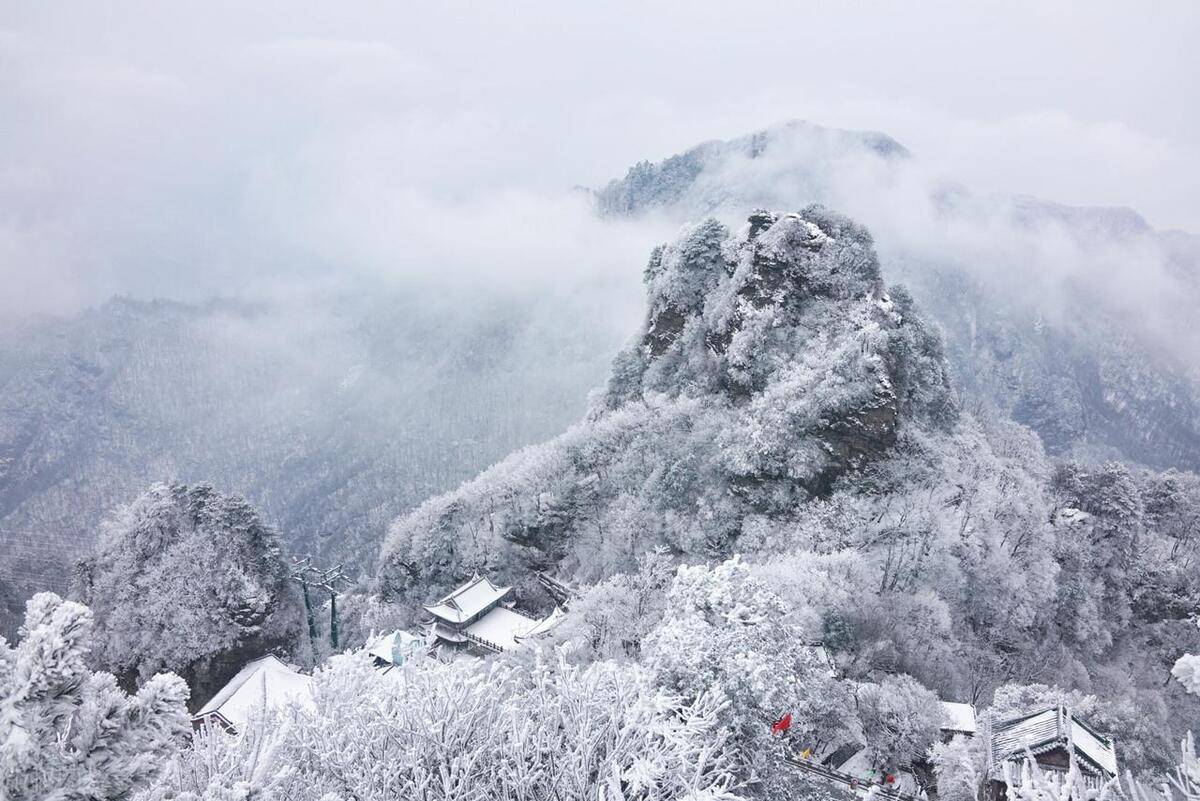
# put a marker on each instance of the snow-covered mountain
(1076, 321)
(771, 362)
(782, 402)
(334, 417)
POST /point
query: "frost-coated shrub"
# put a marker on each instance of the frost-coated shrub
(1028, 782)
(69, 733)
(472, 730)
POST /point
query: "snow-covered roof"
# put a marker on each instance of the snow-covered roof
(817, 653)
(959, 717)
(1094, 746)
(395, 647)
(468, 600)
(1051, 728)
(265, 681)
(545, 624)
(501, 627)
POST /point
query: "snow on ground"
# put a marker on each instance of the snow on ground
(501, 627)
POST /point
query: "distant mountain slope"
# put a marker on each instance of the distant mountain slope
(1079, 322)
(332, 421)
(696, 179)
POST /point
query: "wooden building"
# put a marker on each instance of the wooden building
(265, 682)
(477, 615)
(1057, 739)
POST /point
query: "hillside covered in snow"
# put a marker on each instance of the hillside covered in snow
(331, 421)
(784, 403)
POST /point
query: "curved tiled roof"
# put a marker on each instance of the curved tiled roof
(468, 600)
(1047, 729)
(263, 682)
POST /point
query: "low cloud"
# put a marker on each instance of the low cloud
(186, 152)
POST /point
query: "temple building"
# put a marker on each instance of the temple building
(263, 683)
(960, 719)
(1057, 738)
(477, 615)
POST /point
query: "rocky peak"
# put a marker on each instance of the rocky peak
(773, 361)
(789, 321)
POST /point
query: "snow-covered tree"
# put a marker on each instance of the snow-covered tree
(1014, 700)
(611, 619)
(722, 628)
(1187, 672)
(900, 720)
(189, 580)
(959, 767)
(69, 733)
(1028, 782)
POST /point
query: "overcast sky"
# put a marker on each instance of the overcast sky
(186, 148)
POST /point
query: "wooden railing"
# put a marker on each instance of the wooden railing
(488, 644)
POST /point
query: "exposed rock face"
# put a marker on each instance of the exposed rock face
(772, 362)
(732, 314)
(1095, 374)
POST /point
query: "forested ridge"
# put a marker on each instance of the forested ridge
(943, 489)
(779, 467)
(784, 404)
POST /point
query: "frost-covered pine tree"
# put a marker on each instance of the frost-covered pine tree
(188, 580)
(69, 733)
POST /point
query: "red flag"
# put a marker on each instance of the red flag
(889, 779)
(782, 725)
